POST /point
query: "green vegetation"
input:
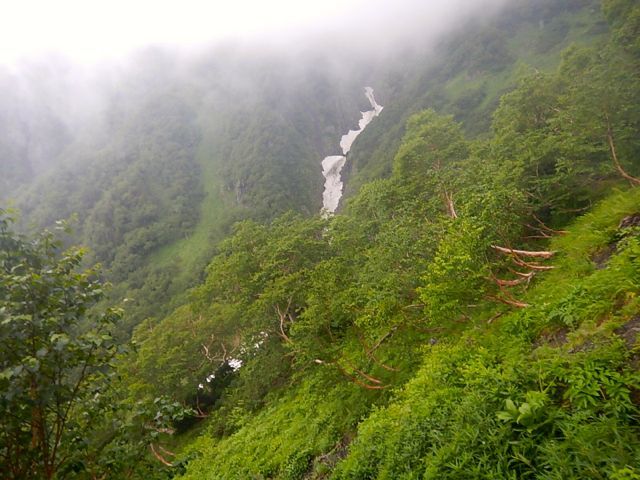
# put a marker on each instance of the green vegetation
(472, 312)
(160, 180)
(470, 71)
(547, 392)
(62, 405)
(54, 354)
(517, 364)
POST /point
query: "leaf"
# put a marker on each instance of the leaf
(511, 407)
(505, 416)
(59, 341)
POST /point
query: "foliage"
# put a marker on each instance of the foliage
(63, 415)
(468, 73)
(289, 434)
(454, 320)
(56, 353)
(494, 405)
(402, 290)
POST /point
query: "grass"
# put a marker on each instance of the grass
(308, 420)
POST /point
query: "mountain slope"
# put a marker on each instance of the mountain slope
(454, 321)
(255, 127)
(469, 71)
(470, 312)
(184, 154)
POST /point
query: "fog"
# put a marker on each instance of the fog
(69, 53)
(69, 68)
(89, 32)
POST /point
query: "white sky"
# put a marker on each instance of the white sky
(90, 30)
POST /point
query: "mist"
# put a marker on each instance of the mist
(89, 33)
(71, 72)
(70, 54)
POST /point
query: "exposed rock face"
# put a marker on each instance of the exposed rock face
(630, 221)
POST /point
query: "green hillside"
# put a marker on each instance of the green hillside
(471, 312)
(463, 318)
(181, 160)
(545, 392)
(469, 72)
(252, 148)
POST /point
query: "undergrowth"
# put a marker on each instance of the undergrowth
(550, 391)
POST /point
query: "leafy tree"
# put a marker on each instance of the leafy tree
(624, 17)
(542, 158)
(56, 352)
(599, 113)
(430, 156)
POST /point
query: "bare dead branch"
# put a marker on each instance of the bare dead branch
(284, 316)
(351, 378)
(200, 414)
(524, 277)
(168, 431)
(165, 451)
(506, 301)
(612, 148)
(545, 227)
(415, 305)
(160, 457)
(381, 340)
(520, 274)
(205, 349)
(362, 374)
(220, 358)
(494, 317)
(371, 355)
(537, 237)
(532, 266)
(448, 201)
(524, 253)
(507, 298)
(360, 383)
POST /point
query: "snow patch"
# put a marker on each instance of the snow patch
(331, 168)
(235, 363)
(332, 165)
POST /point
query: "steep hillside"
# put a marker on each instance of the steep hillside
(550, 391)
(471, 311)
(468, 73)
(179, 149)
(473, 315)
(178, 156)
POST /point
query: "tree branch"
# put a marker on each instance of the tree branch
(524, 253)
(448, 201)
(612, 148)
(506, 301)
(160, 457)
